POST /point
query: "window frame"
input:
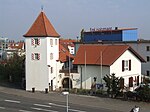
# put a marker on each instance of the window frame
(126, 65)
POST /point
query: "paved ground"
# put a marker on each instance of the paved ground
(91, 101)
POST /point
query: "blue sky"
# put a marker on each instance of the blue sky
(70, 16)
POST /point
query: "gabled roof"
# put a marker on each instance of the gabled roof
(42, 28)
(64, 54)
(107, 53)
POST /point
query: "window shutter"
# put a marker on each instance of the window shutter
(137, 80)
(122, 65)
(38, 41)
(129, 65)
(32, 41)
(32, 56)
(38, 56)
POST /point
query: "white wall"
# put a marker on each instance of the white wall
(89, 73)
(53, 62)
(36, 70)
(116, 67)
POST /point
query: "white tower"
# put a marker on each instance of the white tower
(42, 53)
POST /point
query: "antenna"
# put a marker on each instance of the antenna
(42, 7)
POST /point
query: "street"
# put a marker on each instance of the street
(17, 100)
(20, 104)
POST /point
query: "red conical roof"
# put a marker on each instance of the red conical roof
(42, 28)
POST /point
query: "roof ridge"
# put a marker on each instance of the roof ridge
(44, 22)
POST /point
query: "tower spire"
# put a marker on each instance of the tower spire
(42, 7)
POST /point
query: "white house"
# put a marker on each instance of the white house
(95, 61)
(42, 53)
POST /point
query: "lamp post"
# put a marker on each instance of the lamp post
(66, 93)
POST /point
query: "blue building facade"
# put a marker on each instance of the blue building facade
(128, 34)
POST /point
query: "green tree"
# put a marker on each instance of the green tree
(14, 69)
(112, 84)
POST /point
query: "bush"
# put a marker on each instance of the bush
(143, 93)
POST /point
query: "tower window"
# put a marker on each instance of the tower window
(51, 56)
(35, 56)
(55, 41)
(51, 42)
(35, 41)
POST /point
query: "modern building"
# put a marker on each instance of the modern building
(109, 34)
(3, 47)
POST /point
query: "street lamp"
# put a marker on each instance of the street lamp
(66, 93)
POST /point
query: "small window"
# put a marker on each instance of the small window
(148, 58)
(51, 56)
(35, 56)
(147, 48)
(126, 65)
(55, 41)
(35, 41)
(148, 73)
(51, 42)
(51, 69)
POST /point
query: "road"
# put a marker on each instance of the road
(17, 100)
(13, 103)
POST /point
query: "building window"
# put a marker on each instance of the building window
(148, 73)
(55, 41)
(51, 69)
(51, 56)
(147, 48)
(148, 58)
(35, 56)
(35, 41)
(131, 82)
(51, 42)
(126, 65)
